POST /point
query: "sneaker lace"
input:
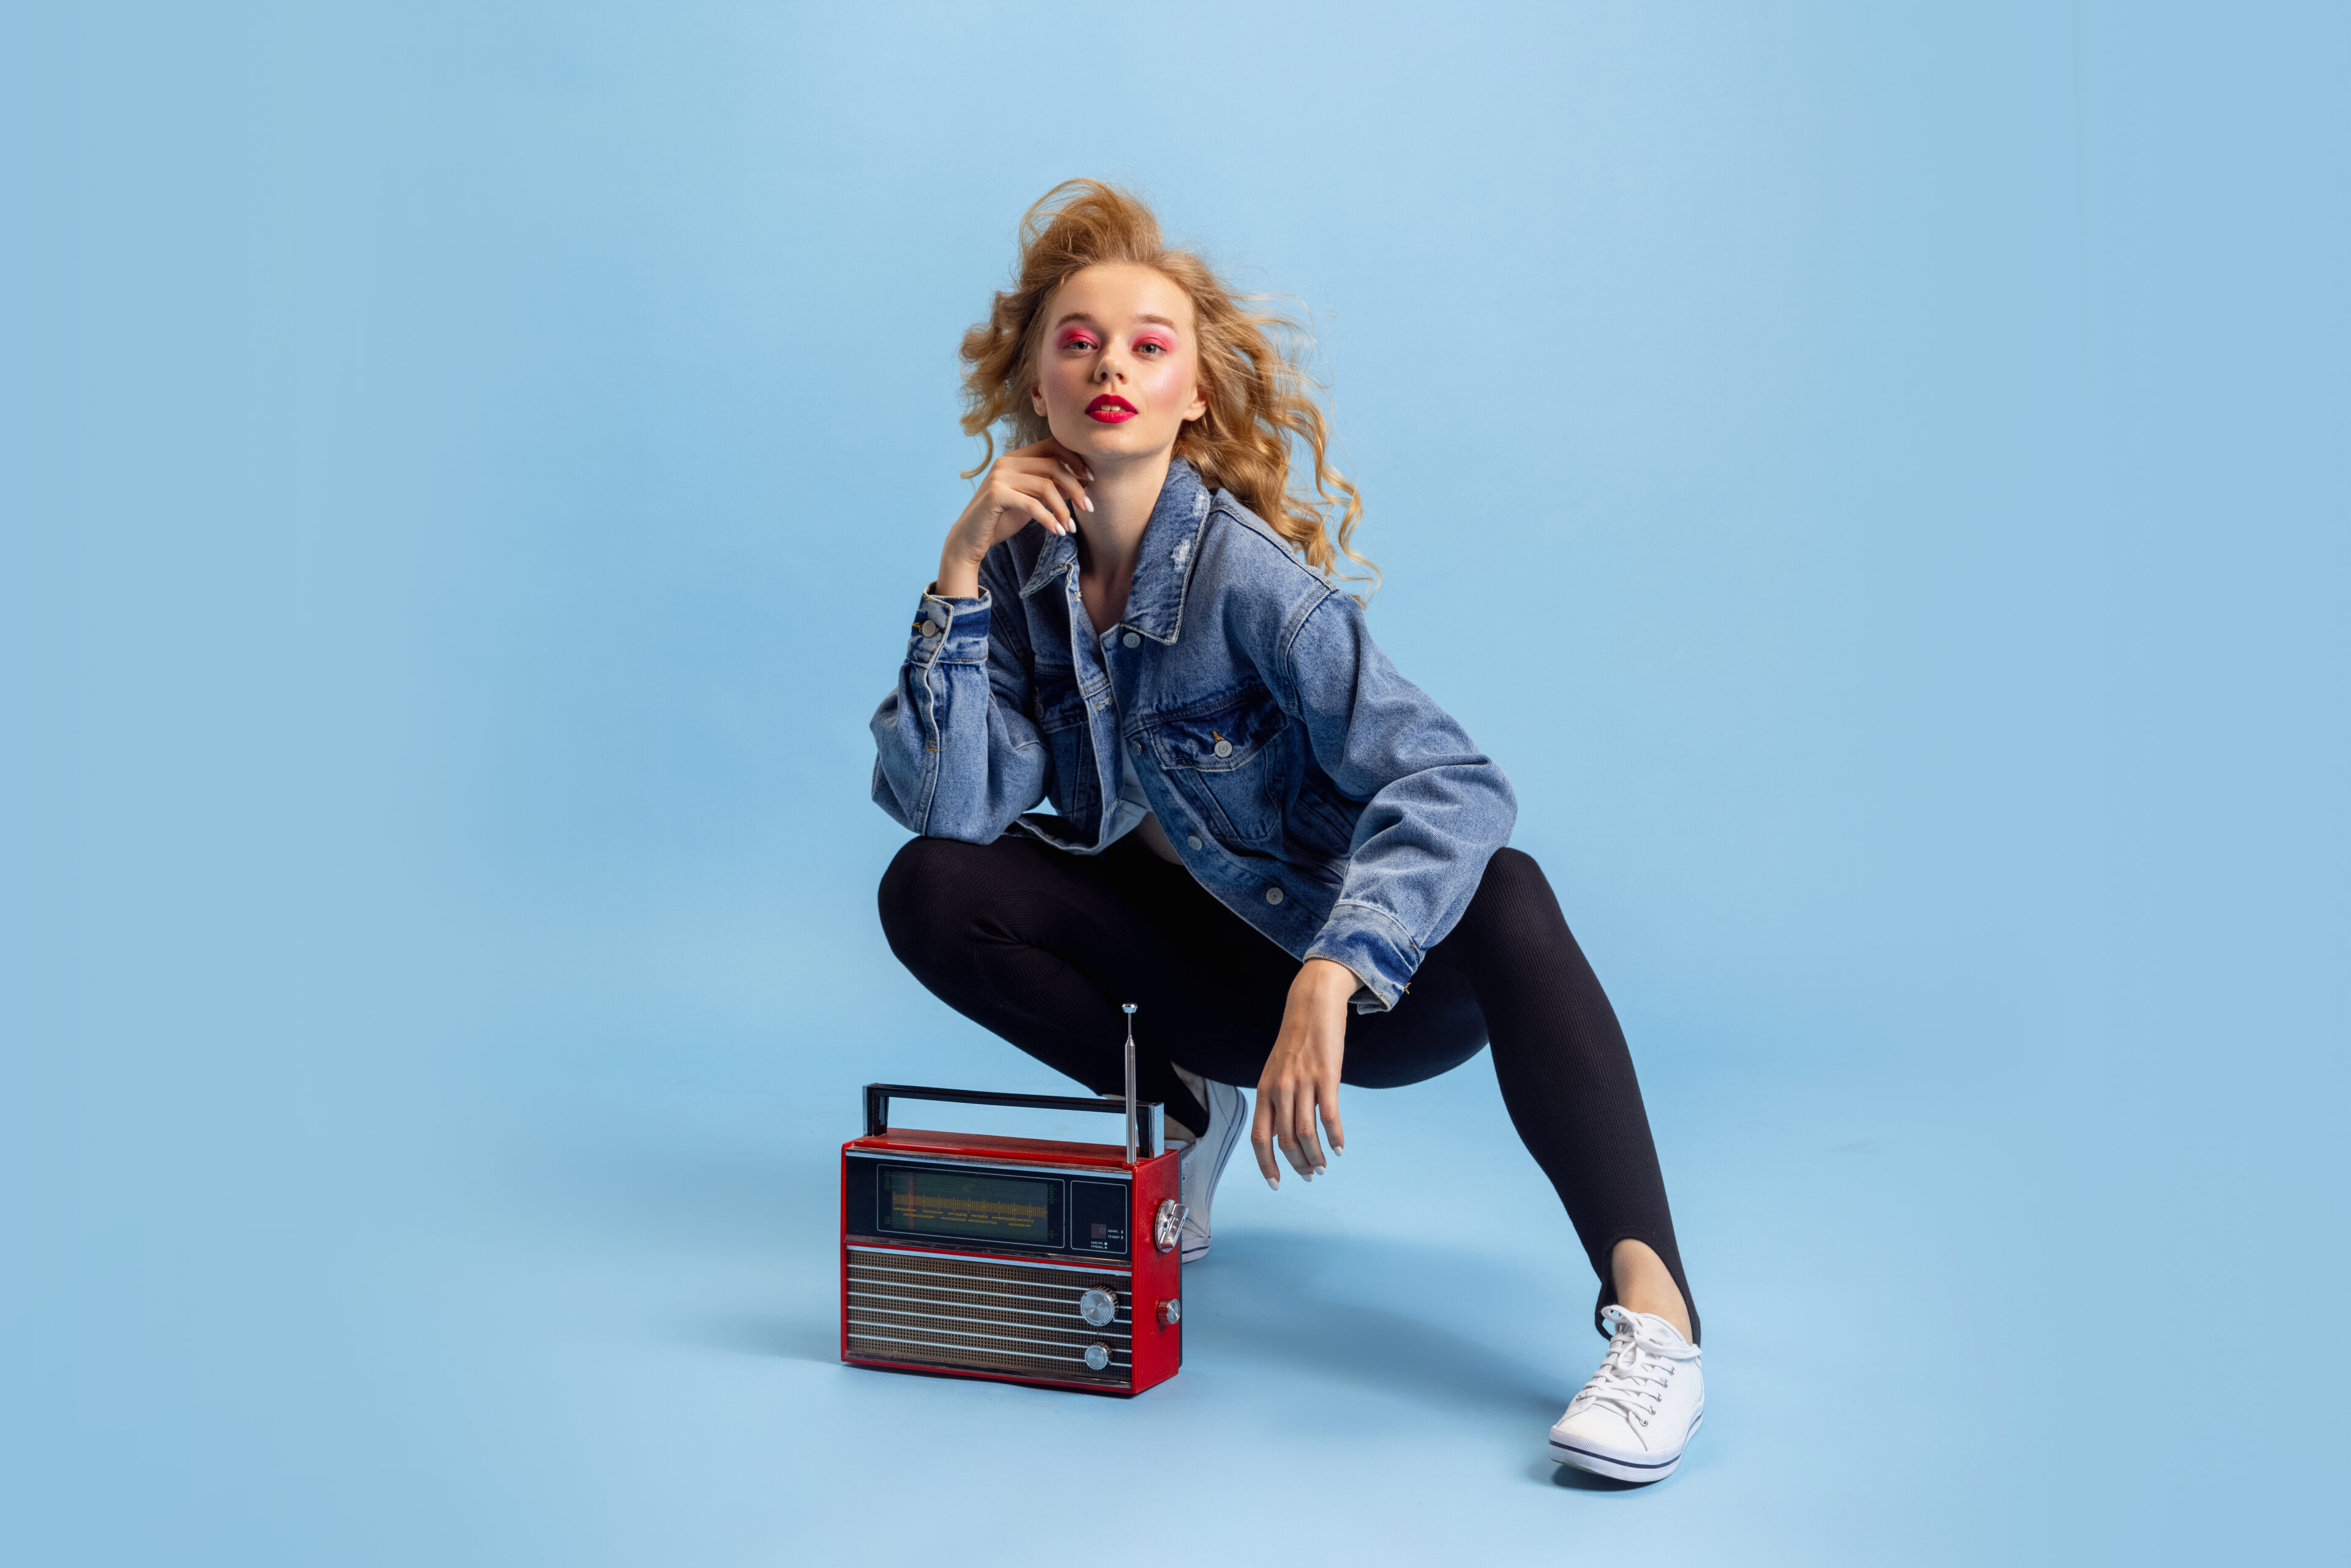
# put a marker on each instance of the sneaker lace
(1632, 1381)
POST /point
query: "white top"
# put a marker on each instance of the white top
(1131, 809)
(1128, 810)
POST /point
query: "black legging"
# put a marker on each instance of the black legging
(1041, 946)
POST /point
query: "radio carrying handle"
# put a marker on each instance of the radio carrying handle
(1146, 1113)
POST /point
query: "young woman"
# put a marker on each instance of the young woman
(1262, 828)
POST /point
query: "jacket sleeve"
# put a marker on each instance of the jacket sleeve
(958, 755)
(1437, 807)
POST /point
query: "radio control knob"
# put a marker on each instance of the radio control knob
(1168, 1225)
(1171, 1311)
(1097, 1357)
(1098, 1307)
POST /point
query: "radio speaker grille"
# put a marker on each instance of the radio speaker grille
(986, 1315)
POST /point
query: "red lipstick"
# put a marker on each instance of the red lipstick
(1108, 410)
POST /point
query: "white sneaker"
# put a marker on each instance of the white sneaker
(1203, 1160)
(1640, 1408)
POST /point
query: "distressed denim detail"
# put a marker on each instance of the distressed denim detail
(1346, 815)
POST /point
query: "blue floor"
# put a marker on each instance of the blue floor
(580, 1306)
(570, 1297)
(1372, 1363)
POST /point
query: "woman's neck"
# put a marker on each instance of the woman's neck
(1110, 538)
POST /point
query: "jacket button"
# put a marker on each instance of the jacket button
(1132, 641)
(1138, 746)
(1224, 749)
(1193, 840)
(1273, 895)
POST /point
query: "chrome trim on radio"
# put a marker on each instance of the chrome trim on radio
(934, 1345)
(994, 1163)
(866, 1273)
(1093, 1332)
(1005, 1259)
(889, 1293)
(964, 1334)
(977, 1289)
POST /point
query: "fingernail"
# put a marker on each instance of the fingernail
(1087, 502)
(1338, 1148)
(1274, 1182)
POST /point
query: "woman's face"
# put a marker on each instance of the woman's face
(1120, 372)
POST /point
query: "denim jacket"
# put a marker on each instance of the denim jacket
(1316, 792)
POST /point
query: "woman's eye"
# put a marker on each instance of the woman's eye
(1082, 345)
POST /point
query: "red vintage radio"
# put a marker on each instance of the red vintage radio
(1022, 1259)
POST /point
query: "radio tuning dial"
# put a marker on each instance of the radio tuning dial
(1168, 1225)
(1098, 1307)
(1171, 1311)
(1097, 1357)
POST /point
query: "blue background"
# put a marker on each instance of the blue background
(1875, 476)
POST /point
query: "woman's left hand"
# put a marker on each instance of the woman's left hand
(1301, 1076)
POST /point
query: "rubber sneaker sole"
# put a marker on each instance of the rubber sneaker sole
(1622, 1468)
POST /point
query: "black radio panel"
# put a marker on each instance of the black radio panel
(1098, 1212)
(1010, 1208)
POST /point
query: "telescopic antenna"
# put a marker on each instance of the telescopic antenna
(1128, 1009)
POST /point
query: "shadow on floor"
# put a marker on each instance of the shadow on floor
(766, 1334)
(1569, 1479)
(1300, 1302)
(1303, 1300)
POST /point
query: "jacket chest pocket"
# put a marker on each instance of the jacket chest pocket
(1230, 760)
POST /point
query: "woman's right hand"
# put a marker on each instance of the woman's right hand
(1041, 482)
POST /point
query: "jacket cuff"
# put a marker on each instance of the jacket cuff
(950, 630)
(1371, 942)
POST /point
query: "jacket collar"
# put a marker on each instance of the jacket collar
(1155, 605)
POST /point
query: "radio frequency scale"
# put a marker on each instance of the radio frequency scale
(1021, 1260)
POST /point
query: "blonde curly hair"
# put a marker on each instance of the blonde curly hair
(1260, 399)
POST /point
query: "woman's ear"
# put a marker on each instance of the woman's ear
(1036, 397)
(1200, 401)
